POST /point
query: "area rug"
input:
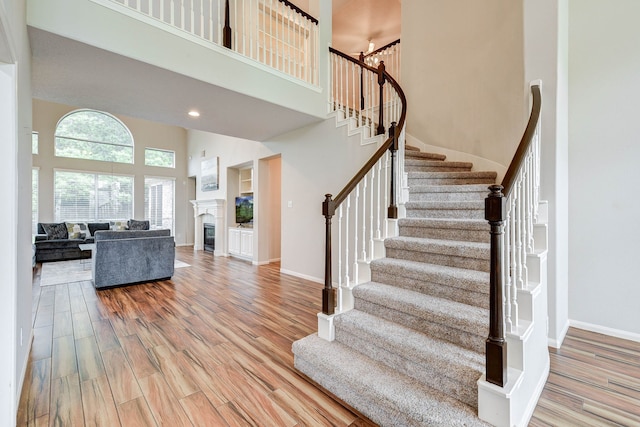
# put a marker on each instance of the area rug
(78, 270)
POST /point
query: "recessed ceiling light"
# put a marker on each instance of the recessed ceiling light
(194, 113)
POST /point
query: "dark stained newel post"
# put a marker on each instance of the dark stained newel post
(226, 36)
(328, 293)
(496, 346)
(392, 212)
(381, 80)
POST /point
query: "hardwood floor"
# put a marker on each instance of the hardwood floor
(212, 347)
(594, 381)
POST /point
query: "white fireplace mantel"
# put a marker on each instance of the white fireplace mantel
(215, 208)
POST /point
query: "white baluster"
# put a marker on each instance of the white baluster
(512, 255)
(182, 12)
(356, 217)
(346, 241)
(523, 233)
(371, 215)
(378, 210)
(364, 219)
(340, 245)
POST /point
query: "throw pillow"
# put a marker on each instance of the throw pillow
(118, 225)
(97, 226)
(56, 231)
(138, 225)
(77, 230)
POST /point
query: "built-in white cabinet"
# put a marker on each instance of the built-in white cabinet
(241, 242)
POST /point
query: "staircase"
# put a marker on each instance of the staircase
(411, 351)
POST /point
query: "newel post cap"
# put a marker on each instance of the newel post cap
(495, 205)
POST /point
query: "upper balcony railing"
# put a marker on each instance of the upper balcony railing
(275, 33)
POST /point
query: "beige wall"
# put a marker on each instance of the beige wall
(463, 63)
(145, 134)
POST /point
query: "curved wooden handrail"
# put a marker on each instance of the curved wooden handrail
(527, 137)
(385, 47)
(342, 195)
(300, 11)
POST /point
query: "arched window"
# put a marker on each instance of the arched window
(93, 135)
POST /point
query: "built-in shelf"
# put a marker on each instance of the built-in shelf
(246, 181)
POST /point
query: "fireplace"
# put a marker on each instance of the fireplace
(209, 237)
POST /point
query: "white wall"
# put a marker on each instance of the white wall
(145, 134)
(15, 174)
(604, 150)
(314, 160)
(463, 65)
(546, 38)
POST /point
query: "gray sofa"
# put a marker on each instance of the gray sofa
(134, 256)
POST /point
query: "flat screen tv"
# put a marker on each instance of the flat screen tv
(244, 209)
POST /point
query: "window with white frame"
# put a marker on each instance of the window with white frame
(34, 142)
(158, 157)
(159, 202)
(34, 200)
(93, 135)
(87, 196)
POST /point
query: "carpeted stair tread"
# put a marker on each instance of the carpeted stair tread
(426, 165)
(452, 315)
(471, 280)
(459, 229)
(454, 223)
(463, 188)
(476, 250)
(413, 154)
(386, 396)
(457, 175)
(447, 205)
(411, 148)
(439, 364)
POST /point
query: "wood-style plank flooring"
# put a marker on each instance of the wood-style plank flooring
(211, 347)
(594, 381)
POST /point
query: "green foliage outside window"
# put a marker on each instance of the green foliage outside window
(93, 135)
(162, 158)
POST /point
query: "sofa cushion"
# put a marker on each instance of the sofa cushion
(117, 225)
(76, 230)
(95, 226)
(56, 231)
(134, 224)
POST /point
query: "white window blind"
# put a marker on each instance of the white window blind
(84, 196)
(159, 202)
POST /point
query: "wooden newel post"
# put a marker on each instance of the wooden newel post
(392, 212)
(496, 346)
(226, 35)
(361, 59)
(328, 293)
(381, 80)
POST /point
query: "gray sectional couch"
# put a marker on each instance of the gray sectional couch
(52, 243)
(134, 256)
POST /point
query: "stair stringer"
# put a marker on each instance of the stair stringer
(353, 128)
(528, 356)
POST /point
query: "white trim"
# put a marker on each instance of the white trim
(141, 17)
(302, 276)
(5, 33)
(25, 365)
(557, 343)
(618, 333)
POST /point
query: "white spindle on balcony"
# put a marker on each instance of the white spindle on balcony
(271, 32)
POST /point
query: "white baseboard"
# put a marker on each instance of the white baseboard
(557, 342)
(24, 369)
(184, 244)
(626, 335)
(302, 276)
